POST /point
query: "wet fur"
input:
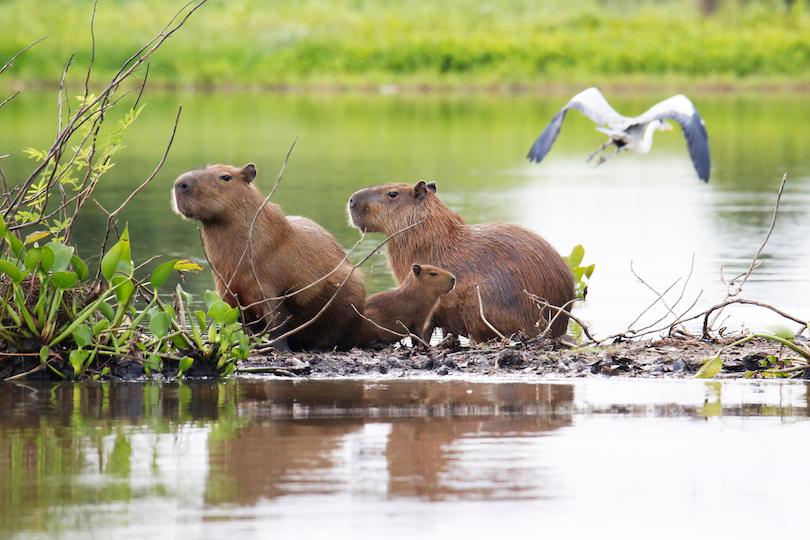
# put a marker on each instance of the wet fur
(412, 304)
(289, 253)
(503, 259)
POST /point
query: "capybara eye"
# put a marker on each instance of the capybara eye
(393, 194)
(434, 274)
(226, 177)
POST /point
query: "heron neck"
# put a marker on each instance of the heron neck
(647, 139)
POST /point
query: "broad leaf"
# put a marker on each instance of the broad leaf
(160, 324)
(83, 335)
(42, 255)
(210, 298)
(161, 274)
(36, 236)
(79, 267)
(11, 271)
(64, 280)
(218, 311)
(710, 368)
(62, 256)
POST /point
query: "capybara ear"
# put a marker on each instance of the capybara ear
(419, 190)
(417, 269)
(431, 186)
(248, 172)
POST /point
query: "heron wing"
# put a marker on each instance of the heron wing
(681, 110)
(589, 102)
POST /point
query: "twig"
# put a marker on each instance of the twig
(483, 318)
(731, 293)
(541, 303)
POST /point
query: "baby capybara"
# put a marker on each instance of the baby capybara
(502, 259)
(289, 254)
(410, 305)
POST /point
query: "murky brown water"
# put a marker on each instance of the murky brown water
(253, 458)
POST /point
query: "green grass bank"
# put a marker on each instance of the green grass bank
(253, 44)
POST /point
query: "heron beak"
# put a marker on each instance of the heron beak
(665, 126)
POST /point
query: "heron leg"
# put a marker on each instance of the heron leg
(603, 159)
(609, 141)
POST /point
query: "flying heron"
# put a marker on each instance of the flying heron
(632, 133)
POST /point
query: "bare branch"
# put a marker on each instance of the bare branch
(483, 318)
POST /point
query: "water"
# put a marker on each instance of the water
(649, 211)
(250, 458)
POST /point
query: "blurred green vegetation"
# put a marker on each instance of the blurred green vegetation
(454, 43)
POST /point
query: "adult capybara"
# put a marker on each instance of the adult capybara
(502, 259)
(411, 305)
(289, 254)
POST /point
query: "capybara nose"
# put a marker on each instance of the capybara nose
(452, 282)
(351, 202)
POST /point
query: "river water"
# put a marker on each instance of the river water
(252, 458)
(649, 212)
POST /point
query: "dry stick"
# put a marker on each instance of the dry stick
(249, 246)
(157, 169)
(720, 306)
(122, 75)
(732, 293)
(7, 64)
(541, 303)
(384, 329)
(483, 318)
(661, 298)
(670, 310)
(560, 311)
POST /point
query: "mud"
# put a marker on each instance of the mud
(679, 357)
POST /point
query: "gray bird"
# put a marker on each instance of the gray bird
(634, 133)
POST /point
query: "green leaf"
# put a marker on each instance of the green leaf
(186, 363)
(62, 256)
(231, 316)
(3, 228)
(575, 258)
(160, 324)
(101, 325)
(210, 298)
(161, 274)
(218, 311)
(119, 253)
(710, 368)
(11, 271)
(42, 255)
(83, 335)
(589, 271)
(124, 289)
(79, 267)
(782, 331)
(17, 247)
(64, 280)
(106, 310)
(77, 360)
(200, 318)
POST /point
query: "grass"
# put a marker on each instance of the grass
(417, 43)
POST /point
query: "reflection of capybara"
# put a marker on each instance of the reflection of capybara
(289, 254)
(411, 304)
(502, 259)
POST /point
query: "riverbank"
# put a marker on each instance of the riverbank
(664, 358)
(465, 45)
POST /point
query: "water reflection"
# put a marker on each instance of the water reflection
(76, 458)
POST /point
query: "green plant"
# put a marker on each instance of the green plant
(217, 334)
(582, 274)
(773, 366)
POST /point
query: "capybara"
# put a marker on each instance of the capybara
(500, 258)
(289, 254)
(411, 304)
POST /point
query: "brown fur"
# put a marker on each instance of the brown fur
(411, 304)
(502, 259)
(289, 253)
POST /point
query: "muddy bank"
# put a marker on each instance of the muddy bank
(662, 358)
